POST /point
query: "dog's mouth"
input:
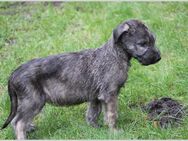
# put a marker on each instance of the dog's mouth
(148, 61)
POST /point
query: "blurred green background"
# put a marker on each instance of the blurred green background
(37, 29)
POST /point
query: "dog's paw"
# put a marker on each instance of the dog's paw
(30, 128)
(94, 124)
(116, 130)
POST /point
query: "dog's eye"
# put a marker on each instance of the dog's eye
(143, 43)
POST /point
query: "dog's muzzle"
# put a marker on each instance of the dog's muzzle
(150, 56)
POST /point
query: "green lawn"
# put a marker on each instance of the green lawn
(34, 30)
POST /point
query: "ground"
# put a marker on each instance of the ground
(32, 30)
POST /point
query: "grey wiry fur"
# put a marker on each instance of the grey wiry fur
(93, 75)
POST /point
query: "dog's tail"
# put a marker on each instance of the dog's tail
(13, 99)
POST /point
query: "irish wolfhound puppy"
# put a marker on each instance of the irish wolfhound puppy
(93, 75)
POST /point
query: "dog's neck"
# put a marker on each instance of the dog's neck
(117, 50)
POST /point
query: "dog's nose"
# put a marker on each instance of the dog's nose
(158, 54)
(158, 57)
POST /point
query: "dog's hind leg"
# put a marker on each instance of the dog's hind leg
(28, 107)
(22, 126)
(93, 112)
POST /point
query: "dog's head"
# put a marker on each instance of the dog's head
(136, 39)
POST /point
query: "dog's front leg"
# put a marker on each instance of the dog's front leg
(93, 112)
(110, 112)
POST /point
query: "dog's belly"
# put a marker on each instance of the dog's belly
(59, 93)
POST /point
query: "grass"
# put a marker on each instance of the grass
(34, 30)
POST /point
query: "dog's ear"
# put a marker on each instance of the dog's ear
(117, 32)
